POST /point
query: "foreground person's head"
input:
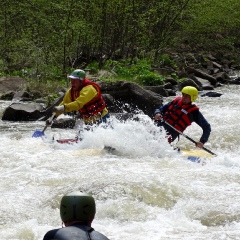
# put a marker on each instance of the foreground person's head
(77, 207)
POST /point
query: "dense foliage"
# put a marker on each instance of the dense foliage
(49, 38)
(213, 24)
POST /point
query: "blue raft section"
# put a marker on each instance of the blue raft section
(196, 155)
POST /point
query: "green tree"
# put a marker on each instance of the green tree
(51, 37)
(214, 23)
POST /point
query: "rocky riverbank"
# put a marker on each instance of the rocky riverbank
(205, 72)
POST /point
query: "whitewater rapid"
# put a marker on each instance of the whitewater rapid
(145, 190)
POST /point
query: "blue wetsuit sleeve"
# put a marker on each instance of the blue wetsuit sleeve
(199, 119)
(162, 109)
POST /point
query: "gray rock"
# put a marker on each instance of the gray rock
(23, 112)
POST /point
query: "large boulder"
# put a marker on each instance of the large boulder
(29, 111)
(23, 112)
(130, 97)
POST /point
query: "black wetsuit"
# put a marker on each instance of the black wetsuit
(74, 232)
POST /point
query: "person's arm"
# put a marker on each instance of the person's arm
(159, 112)
(86, 95)
(199, 119)
(61, 107)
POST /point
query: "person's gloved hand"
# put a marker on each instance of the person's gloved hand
(158, 117)
(58, 109)
(49, 121)
(199, 144)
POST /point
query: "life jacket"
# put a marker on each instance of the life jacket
(178, 114)
(95, 106)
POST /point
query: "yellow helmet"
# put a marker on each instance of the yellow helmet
(192, 91)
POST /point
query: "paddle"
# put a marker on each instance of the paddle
(39, 133)
(207, 150)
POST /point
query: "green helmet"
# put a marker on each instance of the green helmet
(77, 206)
(192, 91)
(78, 73)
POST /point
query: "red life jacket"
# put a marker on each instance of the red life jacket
(178, 114)
(95, 106)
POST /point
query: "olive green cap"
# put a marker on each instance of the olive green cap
(78, 74)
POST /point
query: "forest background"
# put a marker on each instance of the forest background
(43, 41)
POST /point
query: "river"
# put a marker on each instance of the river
(144, 191)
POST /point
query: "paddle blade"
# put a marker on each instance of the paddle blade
(38, 133)
(194, 159)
